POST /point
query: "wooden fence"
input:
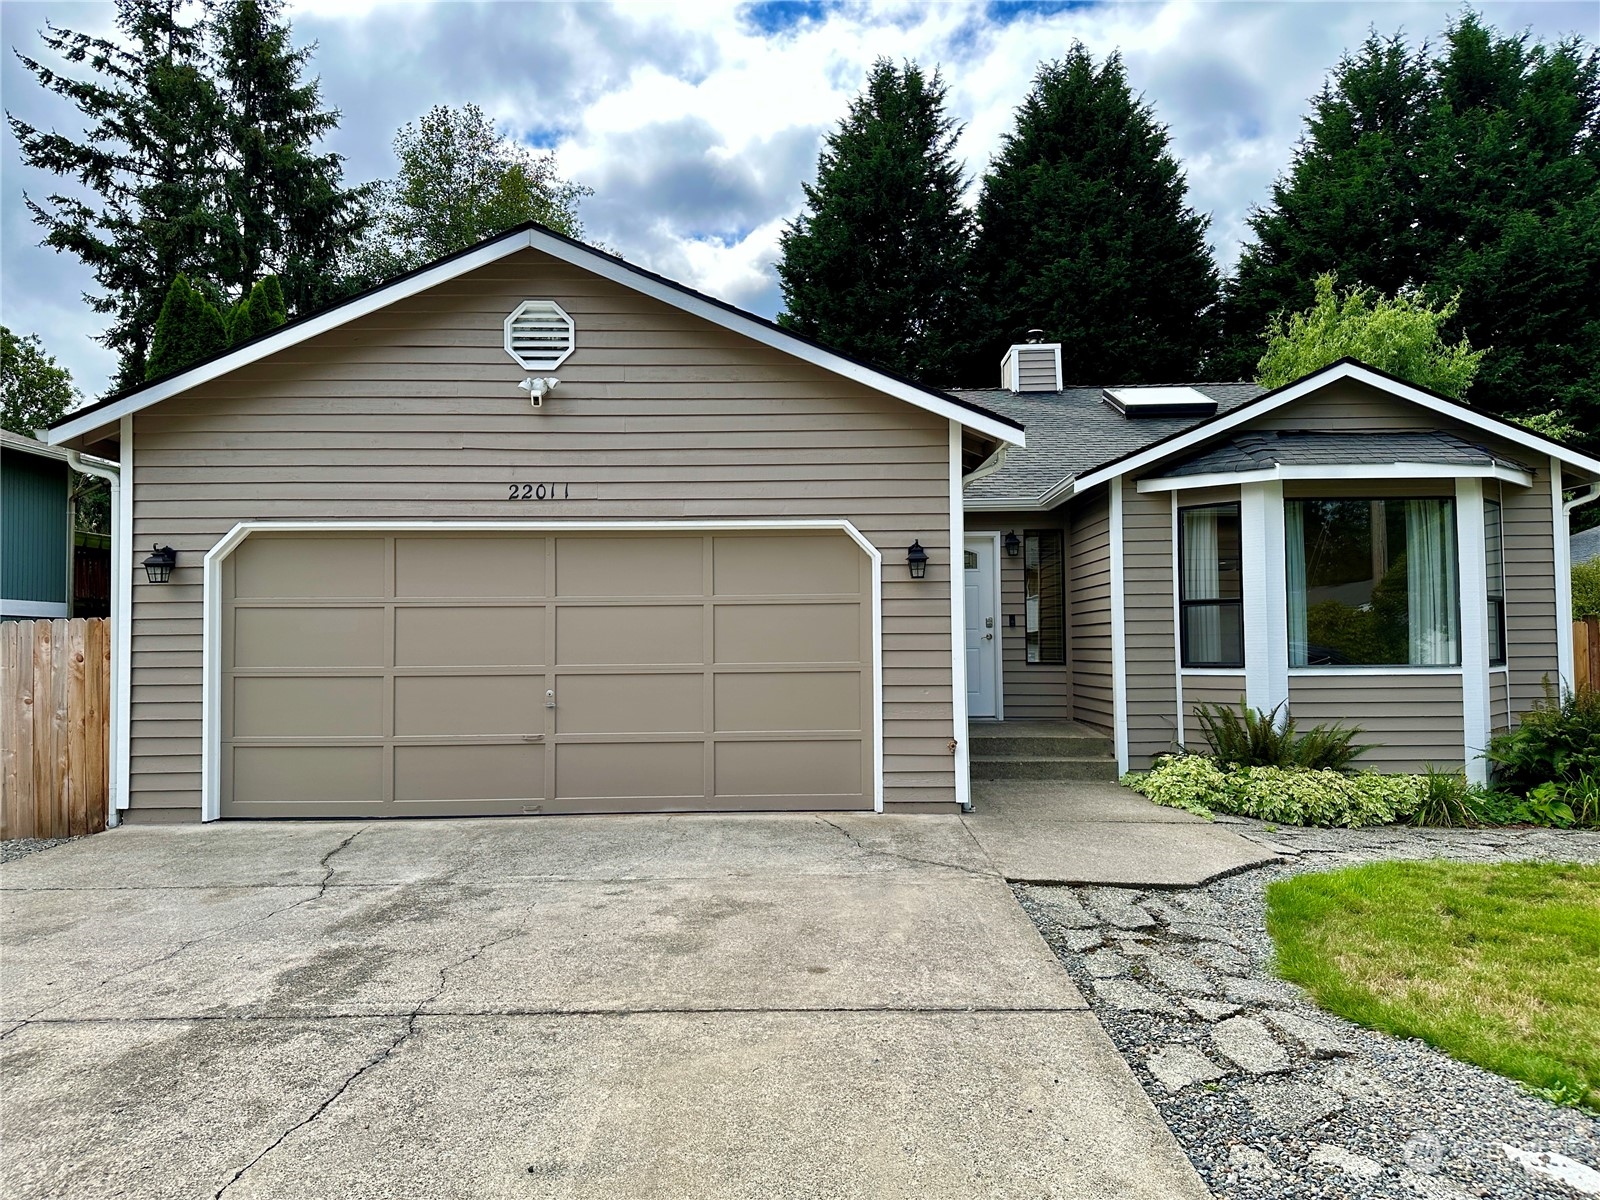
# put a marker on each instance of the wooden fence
(55, 705)
(1586, 653)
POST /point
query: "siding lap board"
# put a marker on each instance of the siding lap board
(412, 413)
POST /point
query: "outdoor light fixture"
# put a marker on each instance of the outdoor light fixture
(159, 565)
(917, 560)
(1013, 544)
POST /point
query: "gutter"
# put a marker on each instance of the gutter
(1588, 494)
(121, 643)
(987, 467)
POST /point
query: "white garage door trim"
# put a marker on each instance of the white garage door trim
(211, 611)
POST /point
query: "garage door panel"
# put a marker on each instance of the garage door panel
(274, 567)
(468, 637)
(302, 636)
(459, 773)
(799, 768)
(763, 702)
(630, 634)
(464, 567)
(444, 705)
(589, 770)
(798, 633)
(627, 566)
(309, 775)
(786, 566)
(289, 706)
(625, 703)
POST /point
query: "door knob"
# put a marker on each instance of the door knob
(988, 637)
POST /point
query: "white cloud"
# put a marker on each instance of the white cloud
(697, 128)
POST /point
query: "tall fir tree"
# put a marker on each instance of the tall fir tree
(144, 162)
(288, 211)
(1085, 232)
(877, 264)
(189, 329)
(1474, 171)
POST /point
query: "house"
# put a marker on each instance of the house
(1585, 546)
(48, 568)
(533, 530)
(1352, 546)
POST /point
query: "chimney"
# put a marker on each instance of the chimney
(1034, 366)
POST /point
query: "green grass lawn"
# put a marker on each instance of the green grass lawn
(1497, 965)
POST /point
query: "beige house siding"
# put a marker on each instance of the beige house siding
(1219, 687)
(1532, 631)
(1089, 608)
(1151, 656)
(412, 413)
(1500, 716)
(1031, 691)
(1412, 718)
(1347, 406)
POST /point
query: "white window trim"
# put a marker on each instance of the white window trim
(1386, 471)
(1392, 669)
(584, 258)
(211, 607)
(958, 630)
(1266, 597)
(1473, 591)
(1566, 664)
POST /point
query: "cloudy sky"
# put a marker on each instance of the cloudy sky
(697, 123)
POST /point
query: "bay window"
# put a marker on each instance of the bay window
(1211, 586)
(1372, 582)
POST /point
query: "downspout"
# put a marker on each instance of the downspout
(987, 467)
(1592, 492)
(121, 625)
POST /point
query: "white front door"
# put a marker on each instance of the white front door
(983, 627)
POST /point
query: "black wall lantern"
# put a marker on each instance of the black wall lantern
(158, 567)
(1013, 544)
(917, 560)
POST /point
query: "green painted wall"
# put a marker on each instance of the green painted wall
(35, 536)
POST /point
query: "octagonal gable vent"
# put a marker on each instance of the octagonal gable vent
(539, 335)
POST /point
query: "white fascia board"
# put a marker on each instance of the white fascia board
(1316, 382)
(1041, 503)
(959, 731)
(594, 262)
(1395, 470)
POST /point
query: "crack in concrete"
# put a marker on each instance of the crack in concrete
(405, 1034)
(326, 862)
(881, 853)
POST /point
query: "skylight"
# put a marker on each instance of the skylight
(1160, 402)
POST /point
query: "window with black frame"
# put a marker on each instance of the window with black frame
(1211, 582)
(1045, 578)
(1495, 574)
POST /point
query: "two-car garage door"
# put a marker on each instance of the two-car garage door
(463, 673)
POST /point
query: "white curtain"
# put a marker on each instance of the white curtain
(1431, 583)
(1294, 545)
(1202, 580)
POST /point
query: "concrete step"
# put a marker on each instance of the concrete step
(1054, 745)
(993, 769)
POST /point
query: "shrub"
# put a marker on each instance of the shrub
(1252, 737)
(1557, 741)
(1586, 589)
(1447, 800)
(1288, 795)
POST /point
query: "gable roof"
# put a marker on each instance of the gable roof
(1159, 439)
(532, 236)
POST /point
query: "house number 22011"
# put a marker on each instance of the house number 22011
(539, 491)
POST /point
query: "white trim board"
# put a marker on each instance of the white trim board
(1389, 471)
(211, 609)
(1566, 653)
(35, 610)
(594, 261)
(958, 630)
(1474, 607)
(1119, 635)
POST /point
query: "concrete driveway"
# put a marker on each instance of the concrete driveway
(676, 1007)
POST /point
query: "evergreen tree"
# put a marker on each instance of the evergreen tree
(876, 266)
(288, 211)
(1084, 232)
(146, 153)
(460, 181)
(1474, 172)
(190, 329)
(34, 390)
(261, 311)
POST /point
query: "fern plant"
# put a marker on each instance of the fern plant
(1254, 737)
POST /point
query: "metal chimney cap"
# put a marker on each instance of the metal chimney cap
(1035, 336)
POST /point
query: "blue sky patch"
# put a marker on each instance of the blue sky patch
(780, 16)
(1004, 12)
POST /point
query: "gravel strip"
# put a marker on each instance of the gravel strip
(13, 848)
(1269, 1095)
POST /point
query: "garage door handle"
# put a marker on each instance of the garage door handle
(550, 698)
(533, 737)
